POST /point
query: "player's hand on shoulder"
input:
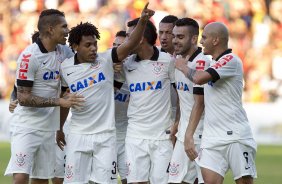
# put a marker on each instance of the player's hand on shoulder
(12, 105)
(189, 147)
(147, 13)
(71, 100)
(60, 139)
(180, 63)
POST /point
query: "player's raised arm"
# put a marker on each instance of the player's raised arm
(137, 34)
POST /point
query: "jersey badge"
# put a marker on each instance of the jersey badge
(20, 159)
(158, 68)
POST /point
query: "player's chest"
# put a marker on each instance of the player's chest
(146, 71)
(87, 75)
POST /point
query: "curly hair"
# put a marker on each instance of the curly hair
(82, 29)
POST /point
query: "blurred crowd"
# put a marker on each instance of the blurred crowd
(255, 30)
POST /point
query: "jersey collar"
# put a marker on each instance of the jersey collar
(195, 54)
(155, 56)
(228, 51)
(162, 50)
(41, 46)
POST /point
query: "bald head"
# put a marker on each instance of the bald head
(218, 30)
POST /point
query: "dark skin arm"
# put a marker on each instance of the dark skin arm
(136, 36)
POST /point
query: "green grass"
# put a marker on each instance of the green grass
(268, 162)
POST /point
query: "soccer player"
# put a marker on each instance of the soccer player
(191, 99)
(149, 74)
(227, 141)
(91, 143)
(37, 92)
(165, 37)
(121, 106)
(165, 33)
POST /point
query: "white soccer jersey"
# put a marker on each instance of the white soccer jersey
(149, 84)
(186, 90)
(94, 81)
(39, 69)
(173, 95)
(121, 105)
(225, 119)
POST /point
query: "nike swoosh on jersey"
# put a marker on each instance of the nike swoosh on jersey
(130, 70)
(69, 73)
(45, 63)
(112, 178)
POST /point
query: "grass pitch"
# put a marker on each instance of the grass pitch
(268, 162)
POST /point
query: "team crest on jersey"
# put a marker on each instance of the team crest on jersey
(69, 173)
(95, 65)
(158, 68)
(173, 169)
(20, 159)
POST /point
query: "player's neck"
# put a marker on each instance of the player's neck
(217, 52)
(191, 51)
(146, 52)
(48, 44)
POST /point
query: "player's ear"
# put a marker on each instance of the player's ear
(195, 39)
(215, 40)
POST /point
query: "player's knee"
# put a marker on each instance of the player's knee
(20, 178)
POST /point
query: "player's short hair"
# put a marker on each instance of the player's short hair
(169, 19)
(48, 18)
(150, 31)
(82, 29)
(191, 23)
(121, 33)
(34, 36)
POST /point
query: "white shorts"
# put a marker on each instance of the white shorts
(60, 163)
(238, 157)
(91, 158)
(32, 152)
(182, 168)
(147, 160)
(121, 159)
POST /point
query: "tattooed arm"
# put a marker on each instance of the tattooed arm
(26, 98)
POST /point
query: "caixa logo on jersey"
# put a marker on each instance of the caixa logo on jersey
(84, 83)
(182, 86)
(122, 97)
(145, 86)
(51, 75)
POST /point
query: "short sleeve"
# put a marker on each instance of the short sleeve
(201, 64)
(225, 67)
(26, 69)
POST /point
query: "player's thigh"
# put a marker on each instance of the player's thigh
(242, 160)
(180, 167)
(160, 154)
(121, 163)
(24, 143)
(137, 160)
(78, 159)
(213, 165)
(44, 159)
(104, 163)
